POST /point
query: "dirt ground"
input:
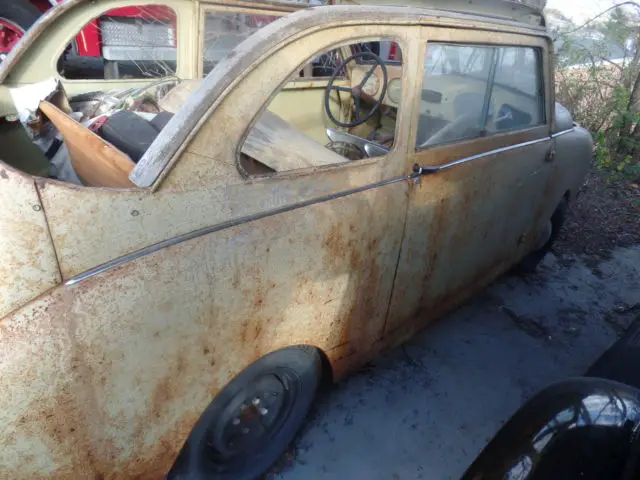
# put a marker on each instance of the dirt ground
(426, 409)
(604, 216)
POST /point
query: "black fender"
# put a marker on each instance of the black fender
(581, 428)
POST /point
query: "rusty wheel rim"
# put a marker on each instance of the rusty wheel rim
(253, 416)
(10, 34)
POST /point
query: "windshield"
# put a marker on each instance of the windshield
(388, 51)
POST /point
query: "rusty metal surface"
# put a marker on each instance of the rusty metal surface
(259, 290)
(129, 359)
(28, 264)
(130, 220)
(464, 243)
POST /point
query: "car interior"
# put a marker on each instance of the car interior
(460, 100)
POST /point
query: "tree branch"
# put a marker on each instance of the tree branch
(588, 22)
(619, 67)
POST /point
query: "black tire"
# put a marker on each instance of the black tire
(211, 451)
(20, 12)
(531, 261)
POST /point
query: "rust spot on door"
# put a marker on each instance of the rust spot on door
(334, 244)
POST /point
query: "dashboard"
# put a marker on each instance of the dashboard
(373, 87)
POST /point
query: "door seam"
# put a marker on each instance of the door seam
(46, 221)
(395, 273)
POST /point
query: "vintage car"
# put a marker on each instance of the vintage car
(184, 260)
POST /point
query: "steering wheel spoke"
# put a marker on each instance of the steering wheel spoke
(367, 76)
(355, 92)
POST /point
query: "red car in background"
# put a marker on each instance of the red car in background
(120, 36)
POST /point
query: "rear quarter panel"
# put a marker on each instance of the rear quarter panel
(574, 154)
(28, 265)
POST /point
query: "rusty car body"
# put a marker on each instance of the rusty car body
(130, 300)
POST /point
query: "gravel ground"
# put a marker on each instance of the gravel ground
(427, 408)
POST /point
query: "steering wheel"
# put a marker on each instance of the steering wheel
(356, 91)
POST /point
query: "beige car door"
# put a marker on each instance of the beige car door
(316, 262)
(483, 121)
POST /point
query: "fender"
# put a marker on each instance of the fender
(583, 428)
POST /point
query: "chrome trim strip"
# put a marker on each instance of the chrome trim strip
(564, 132)
(224, 225)
(486, 154)
(418, 171)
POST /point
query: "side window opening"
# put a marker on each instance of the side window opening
(349, 117)
(135, 42)
(477, 90)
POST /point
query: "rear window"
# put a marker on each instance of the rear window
(131, 42)
(224, 30)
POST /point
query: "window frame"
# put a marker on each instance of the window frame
(520, 41)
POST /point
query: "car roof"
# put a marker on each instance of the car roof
(524, 11)
(232, 69)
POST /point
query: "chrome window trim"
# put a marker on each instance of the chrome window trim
(223, 226)
(489, 153)
(563, 132)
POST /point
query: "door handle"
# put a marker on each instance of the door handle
(418, 172)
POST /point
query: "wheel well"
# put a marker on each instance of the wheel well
(327, 369)
(181, 465)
